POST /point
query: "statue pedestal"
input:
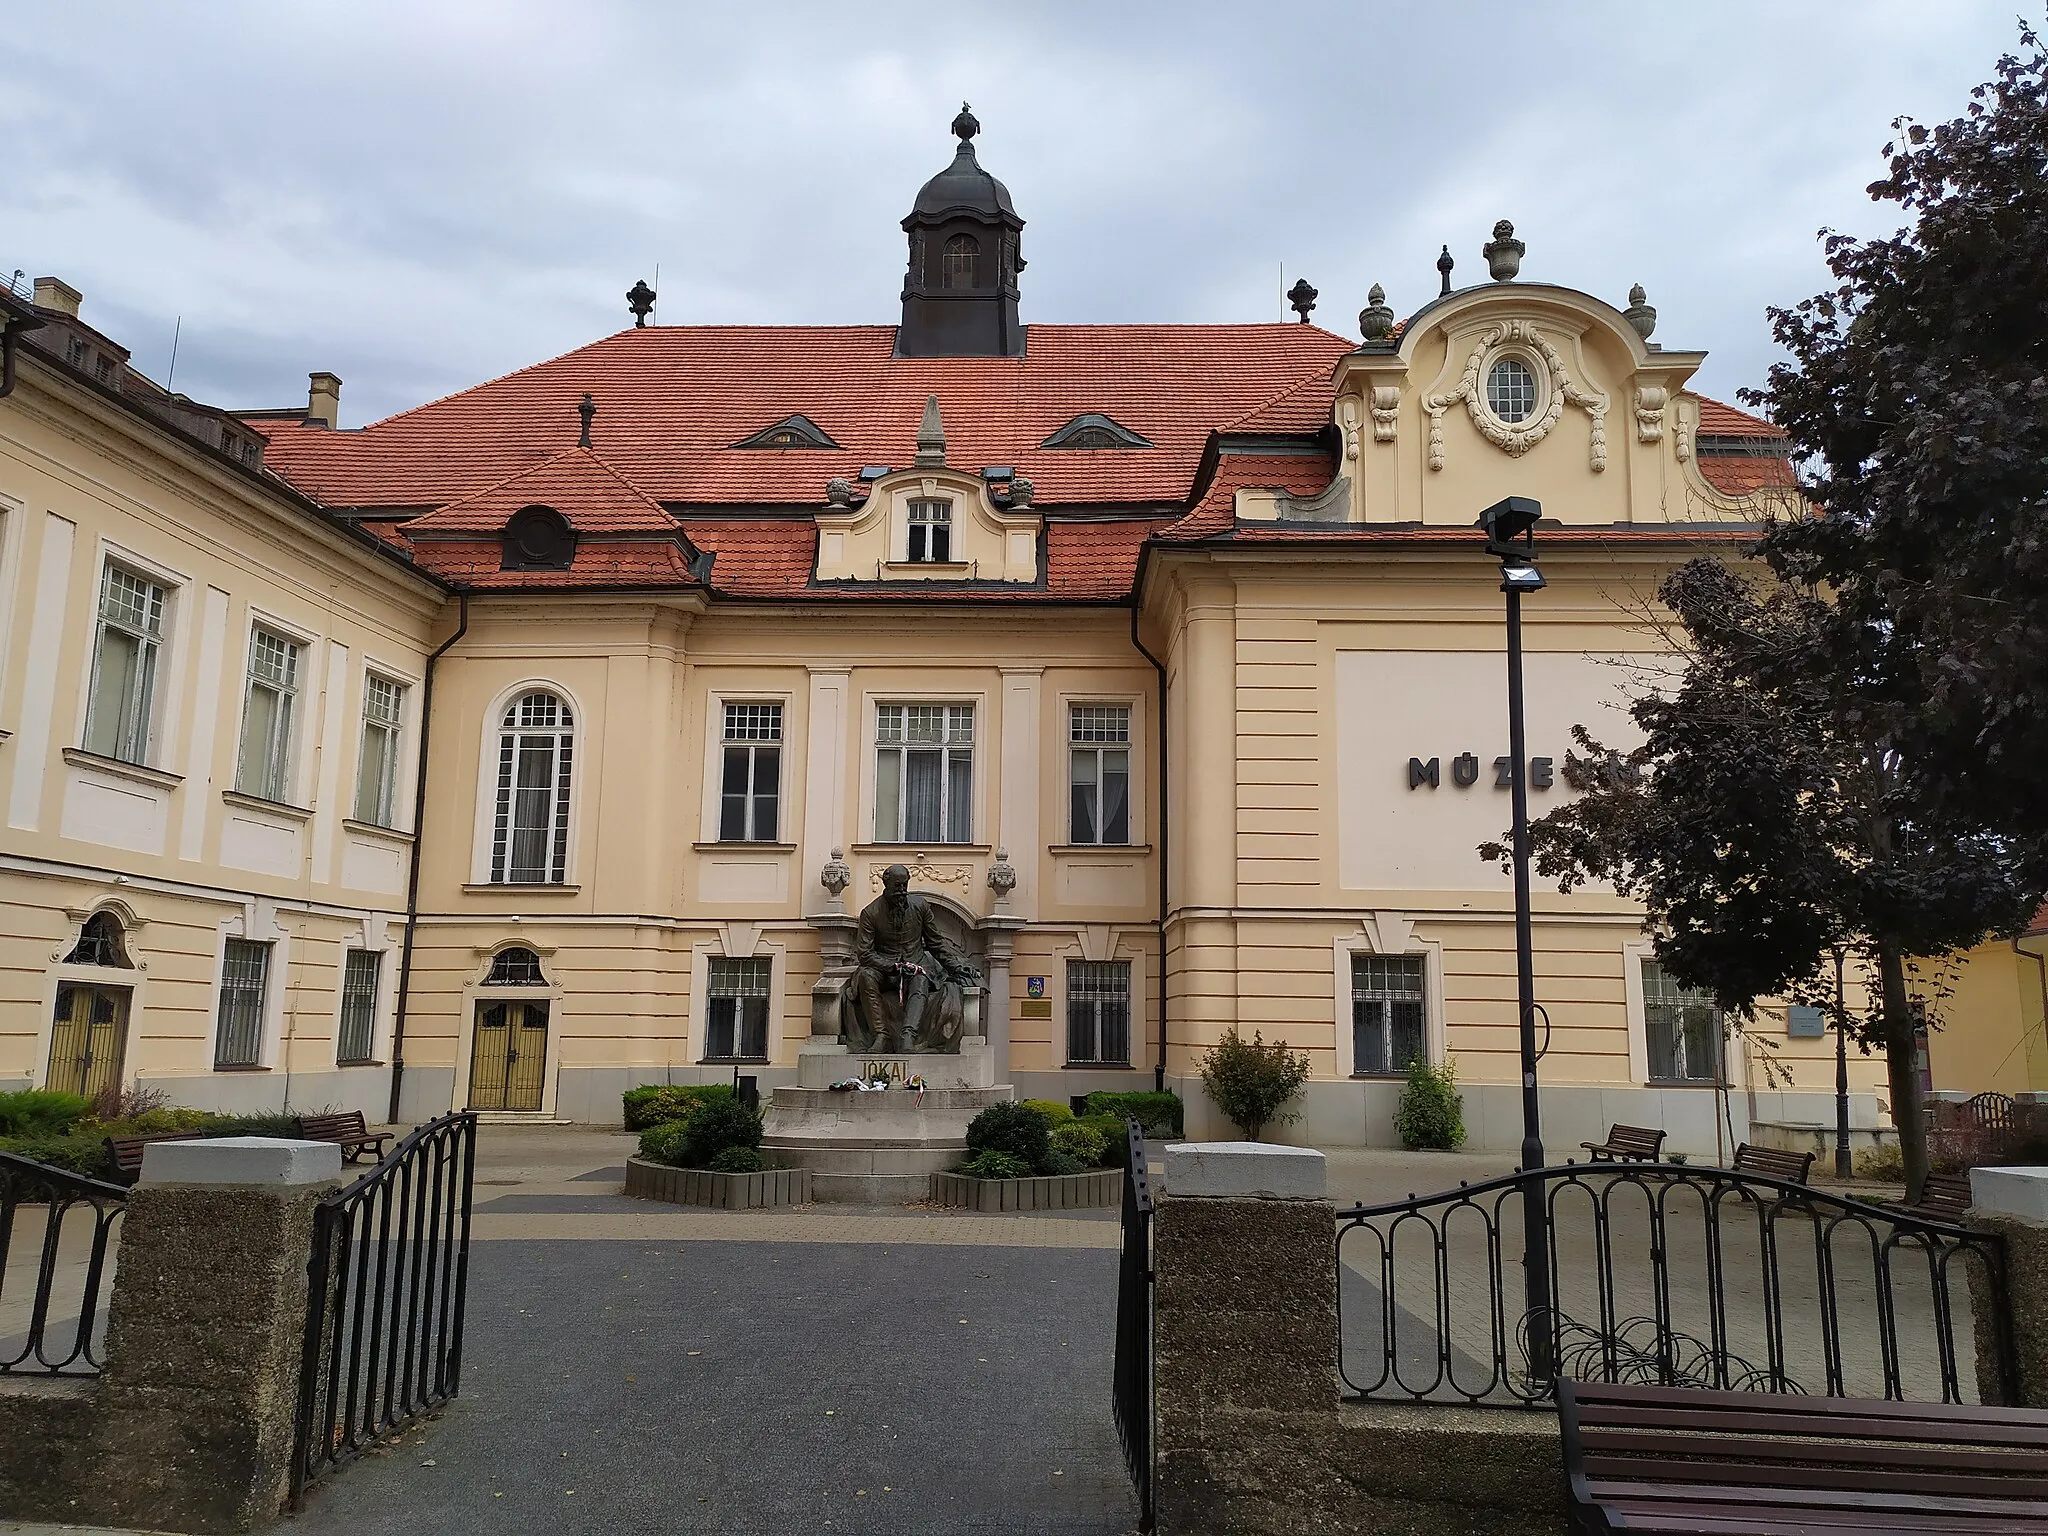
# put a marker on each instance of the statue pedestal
(879, 1146)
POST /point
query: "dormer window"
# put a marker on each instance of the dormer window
(960, 267)
(792, 432)
(1094, 430)
(931, 532)
(538, 539)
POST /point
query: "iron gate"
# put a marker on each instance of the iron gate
(386, 1287)
(1131, 1384)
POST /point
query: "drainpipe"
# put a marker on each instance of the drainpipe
(1159, 732)
(412, 879)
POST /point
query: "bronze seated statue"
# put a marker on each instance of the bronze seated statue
(908, 991)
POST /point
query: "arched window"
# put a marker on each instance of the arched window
(99, 942)
(530, 822)
(515, 967)
(961, 265)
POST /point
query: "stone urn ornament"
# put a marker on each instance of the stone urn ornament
(1503, 253)
(1002, 875)
(1640, 316)
(836, 874)
(1376, 320)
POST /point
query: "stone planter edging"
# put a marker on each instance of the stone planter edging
(1097, 1188)
(725, 1191)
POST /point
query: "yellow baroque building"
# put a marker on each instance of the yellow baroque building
(537, 742)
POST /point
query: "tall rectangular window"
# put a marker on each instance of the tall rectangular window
(1386, 1014)
(530, 815)
(924, 773)
(931, 531)
(1099, 1012)
(272, 693)
(1099, 773)
(750, 783)
(377, 763)
(124, 662)
(1684, 1029)
(238, 1035)
(736, 1011)
(359, 974)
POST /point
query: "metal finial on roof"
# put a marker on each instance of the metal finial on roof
(640, 299)
(1376, 320)
(966, 125)
(587, 409)
(1444, 265)
(1301, 298)
(1639, 314)
(931, 437)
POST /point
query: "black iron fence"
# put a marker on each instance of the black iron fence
(1669, 1275)
(1131, 1383)
(386, 1286)
(52, 1286)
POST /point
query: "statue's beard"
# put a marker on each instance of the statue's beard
(899, 902)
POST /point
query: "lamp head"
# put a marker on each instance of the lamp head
(1520, 576)
(1510, 526)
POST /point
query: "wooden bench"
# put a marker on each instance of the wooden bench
(1685, 1460)
(348, 1129)
(127, 1151)
(1626, 1144)
(1943, 1197)
(1792, 1167)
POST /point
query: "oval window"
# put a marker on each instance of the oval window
(1511, 390)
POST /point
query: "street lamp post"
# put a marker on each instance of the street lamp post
(1843, 1164)
(1510, 527)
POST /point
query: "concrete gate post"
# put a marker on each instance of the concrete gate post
(2012, 1203)
(204, 1334)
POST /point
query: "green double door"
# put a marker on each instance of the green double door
(508, 1055)
(86, 1042)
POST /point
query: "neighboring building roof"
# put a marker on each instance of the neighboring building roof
(1719, 420)
(2040, 923)
(1216, 512)
(1735, 475)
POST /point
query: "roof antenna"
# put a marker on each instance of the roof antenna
(176, 330)
(586, 410)
(1444, 265)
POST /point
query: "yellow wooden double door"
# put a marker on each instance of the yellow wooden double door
(87, 1039)
(508, 1055)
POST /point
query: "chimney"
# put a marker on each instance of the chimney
(55, 293)
(323, 399)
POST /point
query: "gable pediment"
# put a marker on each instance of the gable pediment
(929, 524)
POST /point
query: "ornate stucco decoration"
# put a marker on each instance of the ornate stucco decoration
(1521, 339)
(1683, 419)
(1347, 418)
(1386, 412)
(922, 873)
(1650, 413)
(1332, 504)
(836, 875)
(1002, 875)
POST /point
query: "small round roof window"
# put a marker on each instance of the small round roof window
(1511, 390)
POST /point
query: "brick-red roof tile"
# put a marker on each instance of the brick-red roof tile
(1741, 475)
(590, 493)
(1719, 420)
(1297, 474)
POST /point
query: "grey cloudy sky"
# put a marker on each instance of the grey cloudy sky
(420, 195)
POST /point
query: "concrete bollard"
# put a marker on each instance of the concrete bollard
(2012, 1203)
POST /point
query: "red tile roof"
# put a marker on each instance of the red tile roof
(1740, 475)
(2040, 923)
(590, 493)
(606, 563)
(1216, 512)
(673, 399)
(1718, 420)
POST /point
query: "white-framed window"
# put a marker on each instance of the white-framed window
(750, 776)
(244, 975)
(924, 773)
(1099, 773)
(1388, 1014)
(377, 762)
(269, 703)
(530, 820)
(1683, 1029)
(1511, 390)
(736, 1009)
(124, 666)
(1099, 1012)
(361, 971)
(931, 532)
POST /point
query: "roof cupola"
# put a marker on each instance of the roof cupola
(960, 289)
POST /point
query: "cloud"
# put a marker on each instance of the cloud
(420, 196)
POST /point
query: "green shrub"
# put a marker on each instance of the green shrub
(657, 1102)
(738, 1160)
(1885, 1162)
(993, 1163)
(38, 1112)
(718, 1126)
(1158, 1114)
(1014, 1129)
(1116, 1146)
(666, 1143)
(1083, 1143)
(1431, 1113)
(1253, 1082)
(1050, 1111)
(1057, 1161)
(78, 1152)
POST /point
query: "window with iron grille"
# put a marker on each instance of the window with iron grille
(530, 821)
(1099, 773)
(377, 762)
(931, 532)
(1099, 1012)
(515, 967)
(924, 773)
(750, 784)
(1683, 1028)
(268, 704)
(1387, 1013)
(736, 1010)
(359, 974)
(99, 942)
(238, 1036)
(124, 662)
